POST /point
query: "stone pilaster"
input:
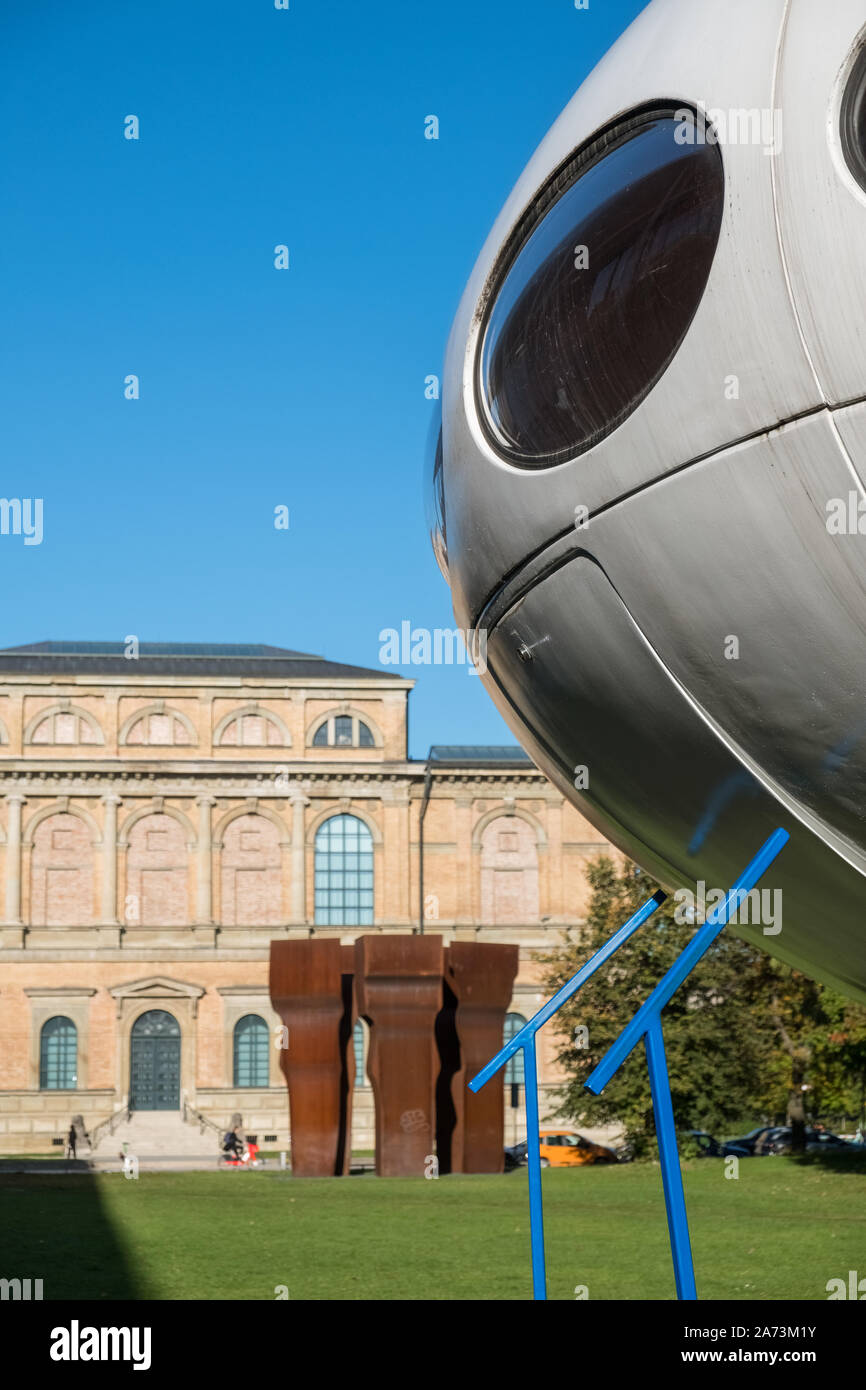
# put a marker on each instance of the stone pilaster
(14, 802)
(299, 858)
(109, 860)
(204, 880)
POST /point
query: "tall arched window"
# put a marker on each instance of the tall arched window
(251, 1051)
(360, 1042)
(58, 1055)
(344, 873)
(513, 1068)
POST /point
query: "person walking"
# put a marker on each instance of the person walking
(70, 1142)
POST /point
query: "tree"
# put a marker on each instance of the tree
(822, 1041)
(718, 1043)
(744, 1034)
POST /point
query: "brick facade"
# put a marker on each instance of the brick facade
(158, 830)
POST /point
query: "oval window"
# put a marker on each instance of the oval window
(598, 286)
(852, 119)
(434, 493)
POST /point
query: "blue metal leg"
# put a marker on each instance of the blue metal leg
(672, 1178)
(533, 1163)
(645, 1024)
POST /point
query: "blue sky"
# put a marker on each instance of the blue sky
(258, 388)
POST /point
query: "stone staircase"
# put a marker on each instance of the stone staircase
(157, 1134)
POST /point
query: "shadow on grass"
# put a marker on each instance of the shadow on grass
(838, 1160)
(55, 1228)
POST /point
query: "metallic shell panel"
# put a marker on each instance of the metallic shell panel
(758, 610)
(663, 784)
(822, 208)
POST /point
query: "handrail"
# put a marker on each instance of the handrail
(108, 1126)
(198, 1118)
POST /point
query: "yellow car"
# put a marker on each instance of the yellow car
(560, 1148)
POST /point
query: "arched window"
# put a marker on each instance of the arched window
(251, 1052)
(58, 1055)
(252, 727)
(63, 723)
(158, 726)
(344, 873)
(343, 731)
(513, 1068)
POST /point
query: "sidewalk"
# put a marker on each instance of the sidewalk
(163, 1163)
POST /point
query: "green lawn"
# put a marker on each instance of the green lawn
(781, 1230)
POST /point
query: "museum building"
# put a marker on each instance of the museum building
(170, 809)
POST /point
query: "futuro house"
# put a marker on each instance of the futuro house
(647, 488)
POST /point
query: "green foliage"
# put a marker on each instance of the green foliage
(742, 1035)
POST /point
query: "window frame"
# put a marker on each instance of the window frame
(64, 1036)
(329, 722)
(260, 1052)
(328, 913)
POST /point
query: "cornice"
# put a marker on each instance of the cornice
(279, 781)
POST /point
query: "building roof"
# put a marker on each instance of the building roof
(478, 755)
(178, 659)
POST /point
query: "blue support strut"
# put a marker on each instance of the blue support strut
(525, 1040)
(533, 1164)
(646, 1024)
(672, 1178)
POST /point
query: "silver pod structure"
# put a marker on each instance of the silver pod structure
(647, 491)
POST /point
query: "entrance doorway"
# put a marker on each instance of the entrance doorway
(154, 1064)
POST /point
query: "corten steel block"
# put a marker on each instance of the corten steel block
(309, 993)
(398, 986)
(481, 979)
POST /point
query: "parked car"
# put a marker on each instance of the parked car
(515, 1156)
(748, 1141)
(708, 1147)
(560, 1148)
(765, 1140)
(817, 1141)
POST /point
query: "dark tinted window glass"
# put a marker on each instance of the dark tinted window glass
(514, 1072)
(852, 126)
(605, 277)
(58, 1053)
(251, 1052)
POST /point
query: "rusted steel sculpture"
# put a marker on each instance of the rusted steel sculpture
(309, 993)
(435, 1015)
(481, 978)
(398, 987)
